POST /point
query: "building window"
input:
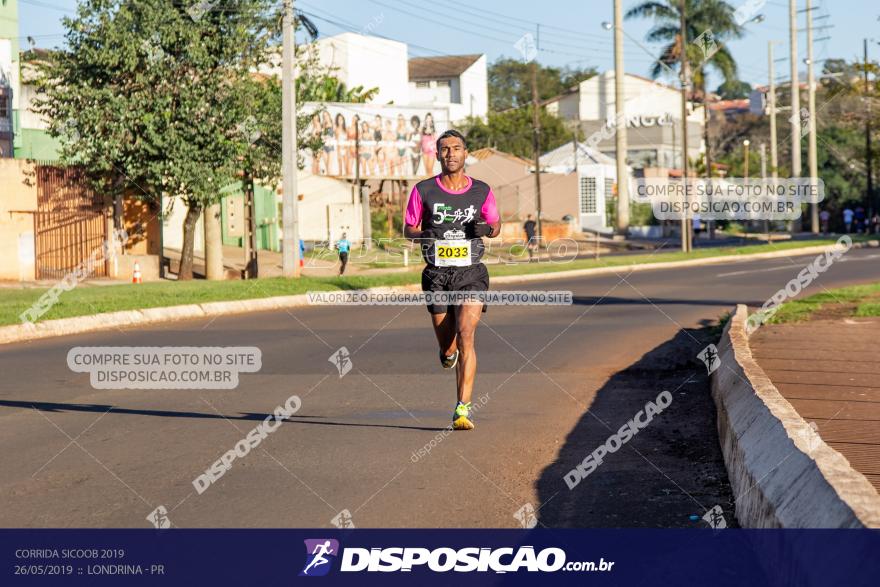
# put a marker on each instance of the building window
(588, 195)
(4, 106)
(442, 83)
(609, 189)
(422, 85)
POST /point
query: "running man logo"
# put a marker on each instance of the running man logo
(320, 554)
(715, 518)
(812, 438)
(343, 520)
(159, 518)
(707, 44)
(709, 356)
(526, 516)
(527, 47)
(803, 119)
(342, 359)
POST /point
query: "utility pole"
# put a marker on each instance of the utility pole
(868, 140)
(811, 139)
(795, 94)
(620, 142)
(763, 180)
(685, 225)
(251, 270)
(763, 149)
(536, 146)
(771, 100)
(290, 230)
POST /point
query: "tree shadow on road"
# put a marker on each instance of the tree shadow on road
(669, 472)
(654, 301)
(103, 408)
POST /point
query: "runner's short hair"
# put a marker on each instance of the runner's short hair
(451, 133)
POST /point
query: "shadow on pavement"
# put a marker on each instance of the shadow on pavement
(611, 301)
(100, 408)
(669, 472)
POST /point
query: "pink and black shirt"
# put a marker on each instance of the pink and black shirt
(432, 205)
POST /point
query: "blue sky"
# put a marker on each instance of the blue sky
(570, 30)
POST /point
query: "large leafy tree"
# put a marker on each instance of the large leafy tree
(146, 96)
(713, 19)
(734, 89)
(511, 131)
(510, 82)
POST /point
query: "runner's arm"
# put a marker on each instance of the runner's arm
(490, 214)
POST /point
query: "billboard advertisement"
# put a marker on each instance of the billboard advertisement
(376, 141)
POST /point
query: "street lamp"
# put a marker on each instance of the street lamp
(746, 158)
(607, 25)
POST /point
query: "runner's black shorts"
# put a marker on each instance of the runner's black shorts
(470, 278)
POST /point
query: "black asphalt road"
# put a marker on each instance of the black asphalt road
(556, 382)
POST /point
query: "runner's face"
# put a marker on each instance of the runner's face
(452, 154)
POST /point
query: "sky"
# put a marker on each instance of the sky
(569, 32)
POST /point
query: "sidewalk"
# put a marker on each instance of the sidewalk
(359, 263)
(828, 370)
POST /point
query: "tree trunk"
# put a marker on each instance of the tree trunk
(213, 244)
(193, 211)
(706, 117)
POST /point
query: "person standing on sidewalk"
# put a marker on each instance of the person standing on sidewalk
(824, 219)
(531, 241)
(343, 246)
(848, 219)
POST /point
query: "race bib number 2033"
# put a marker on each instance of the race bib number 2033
(452, 253)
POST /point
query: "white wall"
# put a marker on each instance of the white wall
(327, 208)
(172, 232)
(566, 107)
(433, 94)
(642, 97)
(369, 62)
(474, 91)
(26, 117)
(467, 95)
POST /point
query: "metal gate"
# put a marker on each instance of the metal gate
(69, 223)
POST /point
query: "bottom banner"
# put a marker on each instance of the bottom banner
(440, 557)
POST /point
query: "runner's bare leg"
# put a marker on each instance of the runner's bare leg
(444, 329)
(467, 318)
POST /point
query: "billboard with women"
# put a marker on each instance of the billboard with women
(375, 141)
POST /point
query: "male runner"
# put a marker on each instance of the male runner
(343, 245)
(448, 215)
(531, 242)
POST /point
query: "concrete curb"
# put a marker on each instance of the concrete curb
(81, 324)
(667, 265)
(66, 326)
(778, 481)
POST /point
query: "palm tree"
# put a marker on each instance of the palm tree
(715, 16)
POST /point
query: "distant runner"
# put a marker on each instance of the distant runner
(531, 241)
(343, 246)
(448, 215)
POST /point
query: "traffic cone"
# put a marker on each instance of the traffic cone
(136, 274)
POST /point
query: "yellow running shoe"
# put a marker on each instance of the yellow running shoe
(461, 417)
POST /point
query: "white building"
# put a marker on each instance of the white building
(327, 207)
(653, 118)
(456, 82)
(459, 82)
(371, 62)
(8, 95)
(596, 181)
